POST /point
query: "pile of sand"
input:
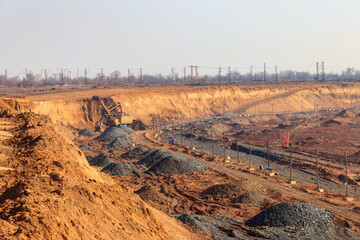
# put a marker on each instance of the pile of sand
(150, 193)
(243, 191)
(54, 193)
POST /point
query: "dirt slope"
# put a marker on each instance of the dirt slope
(168, 103)
(53, 193)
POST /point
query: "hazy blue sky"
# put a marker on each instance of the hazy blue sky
(160, 34)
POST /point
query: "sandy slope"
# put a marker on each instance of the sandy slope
(170, 103)
(53, 193)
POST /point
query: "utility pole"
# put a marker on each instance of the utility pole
(172, 75)
(290, 162)
(268, 154)
(317, 71)
(322, 71)
(78, 76)
(101, 79)
(45, 74)
(184, 75)
(346, 175)
(69, 71)
(322, 130)
(63, 81)
(229, 74)
(276, 74)
(129, 76)
(197, 74)
(85, 76)
(317, 169)
(5, 80)
(212, 144)
(190, 128)
(251, 73)
(237, 151)
(249, 157)
(219, 76)
(264, 71)
(141, 76)
(192, 74)
(224, 145)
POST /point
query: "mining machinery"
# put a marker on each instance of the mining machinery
(111, 113)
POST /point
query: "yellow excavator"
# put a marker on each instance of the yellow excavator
(111, 113)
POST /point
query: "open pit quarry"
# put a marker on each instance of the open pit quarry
(62, 180)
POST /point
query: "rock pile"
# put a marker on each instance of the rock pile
(122, 141)
(161, 161)
(86, 132)
(111, 134)
(136, 153)
(84, 146)
(101, 160)
(299, 214)
(176, 165)
(219, 227)
(127, 129)
(243, 191)
(155, 157)
(117, 169)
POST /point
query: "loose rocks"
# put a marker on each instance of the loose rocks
(127, 129)
(86, 132)
(117, 169)
(136, 153)
(156, 156)
(233, 190)
(111, 134)
(293, 215)
(84, 146)
(123, 141)
(220, 227)
(175, 165)
(101, 160)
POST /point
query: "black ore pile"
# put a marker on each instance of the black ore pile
(299, 214)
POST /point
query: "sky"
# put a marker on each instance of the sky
(158, 35)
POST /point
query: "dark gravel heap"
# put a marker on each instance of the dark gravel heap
(112, 151)
(220, 227)
(298, 214)
(127, 129)
(136, 153)
(156, 156)
(101, 160)
(175, 165)
(304, 233)
(117, 169)
(84, 146)
(226, 228)
(122, 141)
(86, 132)
(111, 134)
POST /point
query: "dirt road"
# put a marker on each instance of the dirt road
(243, 175)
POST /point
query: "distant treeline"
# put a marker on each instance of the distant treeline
(117, 79)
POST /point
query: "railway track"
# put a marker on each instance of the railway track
(277, 187)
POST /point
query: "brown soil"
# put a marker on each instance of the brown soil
(53, 193)
(232, 190)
